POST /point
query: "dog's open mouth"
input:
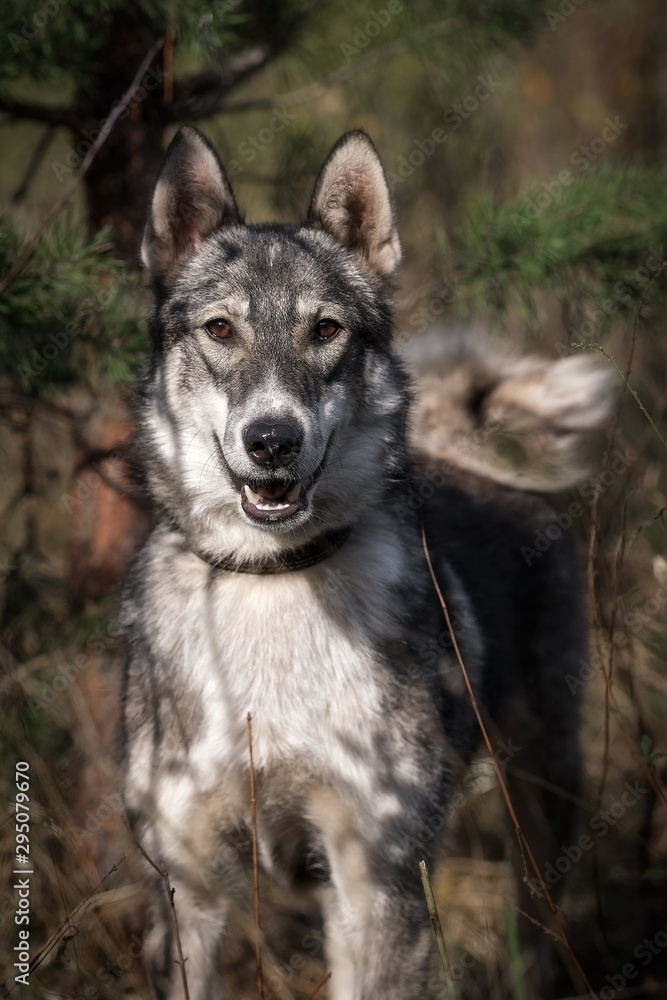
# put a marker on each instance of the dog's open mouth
(272, 501)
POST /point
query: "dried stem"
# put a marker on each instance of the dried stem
(35, 162)
(164, 875)
(536, 923)
(255, 867)
(623, 378)
(168, 63)
(319, 986)
(57, 936)
(435, 918)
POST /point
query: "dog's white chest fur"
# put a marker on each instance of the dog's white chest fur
(305, 676)
(290, 649)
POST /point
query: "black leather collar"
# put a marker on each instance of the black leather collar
(310, 554)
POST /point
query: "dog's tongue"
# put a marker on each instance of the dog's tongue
(278, 493)
(273, 491)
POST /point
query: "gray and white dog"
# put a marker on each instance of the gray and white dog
(286, 578)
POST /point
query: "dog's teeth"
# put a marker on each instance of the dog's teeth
(294, 493)
(254, 498)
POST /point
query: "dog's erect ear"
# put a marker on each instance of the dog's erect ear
(192, 198)
(351, 202)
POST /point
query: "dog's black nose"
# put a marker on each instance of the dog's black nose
(272, 444)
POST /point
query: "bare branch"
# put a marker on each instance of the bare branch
(319, 986)
(35, 160)
(203, 94)
(48, 217)
(164, 874)
(40, 113)
(57, 937)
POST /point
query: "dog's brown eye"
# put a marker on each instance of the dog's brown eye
(219, 328)
(327, 328)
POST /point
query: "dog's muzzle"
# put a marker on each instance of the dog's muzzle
(274, 447)
(278, 491)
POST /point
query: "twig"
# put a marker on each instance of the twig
(164, 875)
(435, 919)
(57, 936)
(537, 923)
(524, 846)
(607, 664)
(39, 152)
(305, 94)
(172, 905)
(621, 375)
(49, 216)
(168, 63)
(255, 867)
(645, 990)
(319, 986)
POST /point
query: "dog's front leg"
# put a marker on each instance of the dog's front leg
(202, 854)
(377, 926)
(201, 919)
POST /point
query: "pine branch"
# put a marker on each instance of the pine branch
(596, 241)
(204, 94)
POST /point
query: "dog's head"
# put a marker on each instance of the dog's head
(273, 405)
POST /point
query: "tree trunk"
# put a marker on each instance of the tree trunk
(120, 179)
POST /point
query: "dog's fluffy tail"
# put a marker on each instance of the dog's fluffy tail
(528, 422)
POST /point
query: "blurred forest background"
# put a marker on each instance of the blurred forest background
(525, 146)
